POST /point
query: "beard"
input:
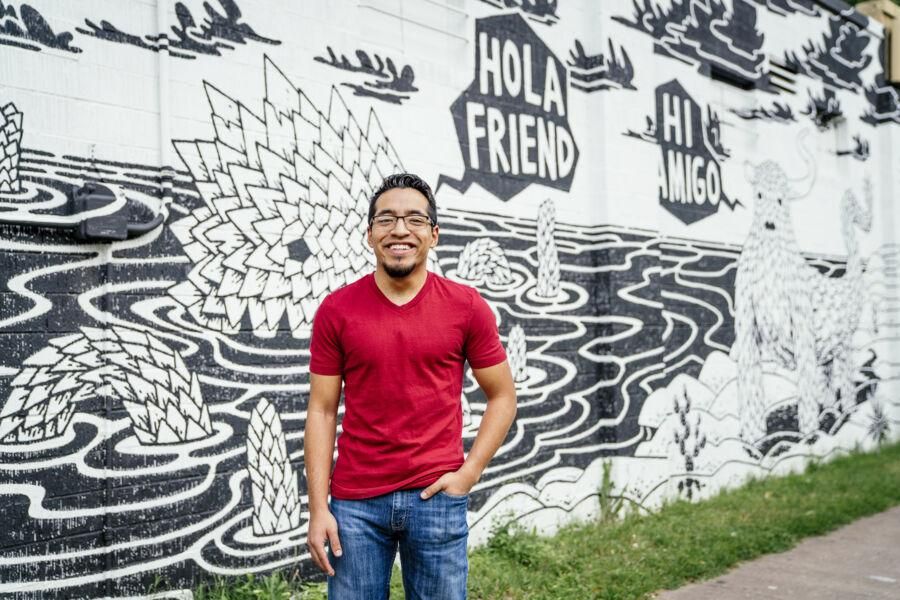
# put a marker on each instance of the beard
(399, 271)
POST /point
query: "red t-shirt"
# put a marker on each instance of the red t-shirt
(402, 368)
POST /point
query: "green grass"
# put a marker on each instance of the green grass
(641, 554)
(275, 586)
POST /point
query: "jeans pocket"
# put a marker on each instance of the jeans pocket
(454, 496)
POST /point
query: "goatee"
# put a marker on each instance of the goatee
(399, 271)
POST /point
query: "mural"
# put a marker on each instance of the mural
(388, 85)
(719, 39)
(823, 109)
(790, 7)
(219, 29)
(10, 148)
(860, 150)
(286, 196)
(664, 315)
(884, 99)
(595, 72)
(541, 11)
(838, 59)
(162, 398)
(779, 112)
(28, 29)
(787, 309)
(512, 121)
(690, 184)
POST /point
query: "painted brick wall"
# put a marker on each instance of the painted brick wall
(681, 212)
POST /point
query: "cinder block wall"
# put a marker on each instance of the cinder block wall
(682, 213)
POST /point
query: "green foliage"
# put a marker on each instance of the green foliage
(610, 506)
(520, 546)
(275, 586)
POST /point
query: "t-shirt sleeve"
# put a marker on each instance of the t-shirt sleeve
(483, 347)
(326, 356)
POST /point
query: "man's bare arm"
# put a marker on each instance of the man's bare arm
(318, 451)
(497, 384)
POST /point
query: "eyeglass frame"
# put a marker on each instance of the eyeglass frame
(396, 218)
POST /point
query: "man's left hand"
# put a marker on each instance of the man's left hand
(457, 483)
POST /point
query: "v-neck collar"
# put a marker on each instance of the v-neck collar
(413, 301)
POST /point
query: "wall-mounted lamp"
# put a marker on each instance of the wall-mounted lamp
(103, 226)
(111, 227)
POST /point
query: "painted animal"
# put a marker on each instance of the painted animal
(786, 310)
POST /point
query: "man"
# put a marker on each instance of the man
(398, 340)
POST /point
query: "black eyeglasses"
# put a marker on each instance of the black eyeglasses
(413, 222)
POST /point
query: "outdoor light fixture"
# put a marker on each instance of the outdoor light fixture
(92, 197)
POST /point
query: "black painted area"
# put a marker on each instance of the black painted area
(690, 182)
(791, 7)
(515, 130)
(823, 109)
(837, 59)
(388, 85)
(859, 151)
(597, 72)
(29, 30)
(779, 112)
(218, 30)
(705, 33)
(541, 11)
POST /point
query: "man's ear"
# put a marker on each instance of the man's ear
(435, 232)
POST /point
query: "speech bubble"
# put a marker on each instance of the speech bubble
(512, 121)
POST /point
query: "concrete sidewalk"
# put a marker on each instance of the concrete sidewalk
(860, 560)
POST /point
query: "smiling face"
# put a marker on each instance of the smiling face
(400, 251)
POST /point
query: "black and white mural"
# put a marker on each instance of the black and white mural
(837, 59)
(693, 279)
(822, 109)
(285, 196)
(10, 148)
(23, 26)
(388, 84)
(596, 72)
(883, 98)
(691, 150)
(718, 37)
(779, 112)
(217, 27)
(512, 121)
(791, 7)
(540, 11)
(859, 149)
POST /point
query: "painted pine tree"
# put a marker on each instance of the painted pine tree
(10, 148)
(515, 352)
(276, 500)
(548, 257)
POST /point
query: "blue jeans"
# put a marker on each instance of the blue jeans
(431, 535)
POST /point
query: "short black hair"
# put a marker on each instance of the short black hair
(405, 180)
